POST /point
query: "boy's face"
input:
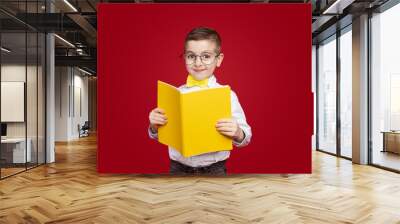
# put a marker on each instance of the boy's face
(201, 58)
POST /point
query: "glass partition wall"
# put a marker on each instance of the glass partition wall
(385, 89)
(334, 94)
(345, 93)
(22, 88)
(334, 90)
(327, 95)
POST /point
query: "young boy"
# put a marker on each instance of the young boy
(202, 55)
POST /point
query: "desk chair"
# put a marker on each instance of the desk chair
(84, 130)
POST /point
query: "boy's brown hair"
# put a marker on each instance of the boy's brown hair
(204, 33)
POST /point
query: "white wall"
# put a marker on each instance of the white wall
(15, 72)
(62, 78)
(12, 73)
(70, 83)
(314, 88)
(80, 83)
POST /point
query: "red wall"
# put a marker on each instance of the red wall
(267, 63)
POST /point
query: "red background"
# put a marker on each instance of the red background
(267, 63)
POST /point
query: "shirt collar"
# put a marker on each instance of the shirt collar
(212, 81)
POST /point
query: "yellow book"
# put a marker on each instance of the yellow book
(192, 117)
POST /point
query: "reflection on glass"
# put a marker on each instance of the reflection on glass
(385, 86)
(22, 90)
(31, 101)
(346, 94)
(314, 81)
(395, 101)
(327, 96)
(41, 98)
(14, 153)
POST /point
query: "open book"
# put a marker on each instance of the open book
(192, 117)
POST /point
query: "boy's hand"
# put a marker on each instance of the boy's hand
(157, 118)
(229, 127)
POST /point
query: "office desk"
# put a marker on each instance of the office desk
(13, 150)
(391, 141)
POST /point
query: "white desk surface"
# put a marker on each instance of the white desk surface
(13, 140)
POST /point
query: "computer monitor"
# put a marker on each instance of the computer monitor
(3, 129)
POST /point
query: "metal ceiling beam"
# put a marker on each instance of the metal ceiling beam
(83, 61)
(44, 22)
(320, 22)
(77, 17)
(15, 18)
(332, 28)
(85, 25)
(337, 6)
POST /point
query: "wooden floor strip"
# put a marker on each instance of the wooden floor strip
(71, 191)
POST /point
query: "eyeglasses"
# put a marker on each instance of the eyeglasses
(205, 58)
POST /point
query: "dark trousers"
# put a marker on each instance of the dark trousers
(218, 168)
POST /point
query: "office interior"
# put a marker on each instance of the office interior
(48, 80)
(49, 94)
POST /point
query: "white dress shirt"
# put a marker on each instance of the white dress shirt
(212, 157)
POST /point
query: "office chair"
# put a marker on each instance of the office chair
(84, 130)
